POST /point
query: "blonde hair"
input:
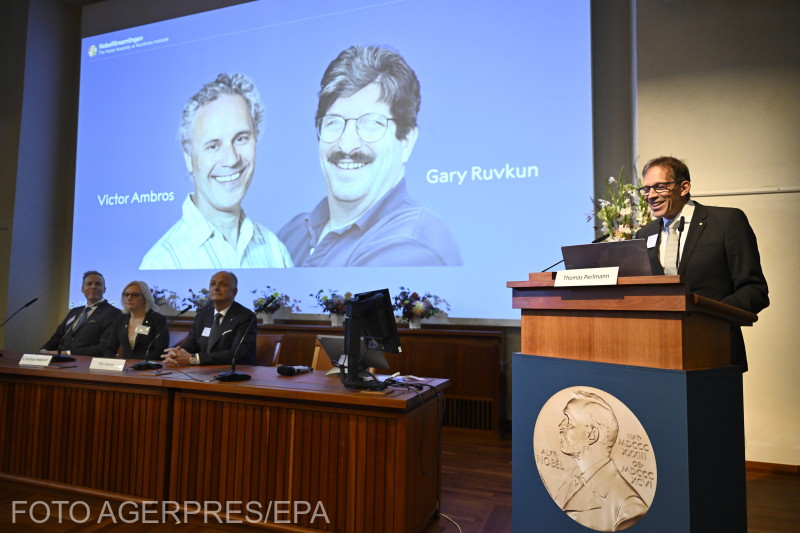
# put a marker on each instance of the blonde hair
(149, 303)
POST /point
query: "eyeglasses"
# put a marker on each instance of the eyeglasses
(661, 186)
(370, 127)
(131, 294)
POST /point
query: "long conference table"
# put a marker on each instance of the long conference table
(287, 453)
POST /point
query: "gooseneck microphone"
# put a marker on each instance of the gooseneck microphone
(601, 238)
(58, 358)
(681, 223)
(286, 370)
(147, 364)
(232, 374)
(17, 311)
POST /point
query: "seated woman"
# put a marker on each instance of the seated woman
(140, 332)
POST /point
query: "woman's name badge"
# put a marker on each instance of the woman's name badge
(142, 330)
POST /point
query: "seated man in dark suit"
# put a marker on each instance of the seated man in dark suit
(714, 249)
(83, 328)
(218, 329)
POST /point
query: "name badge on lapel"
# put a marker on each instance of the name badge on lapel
(206, 332)
(652, 240)
(142, 330)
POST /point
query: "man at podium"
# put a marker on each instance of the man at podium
(713, 249)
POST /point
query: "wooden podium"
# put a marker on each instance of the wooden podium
(665, 354)
(649, 321)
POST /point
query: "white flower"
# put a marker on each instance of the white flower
(625, 211)
(603, 202)
(611, 180)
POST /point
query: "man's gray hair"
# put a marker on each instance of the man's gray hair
(231, 276)
(235, 84)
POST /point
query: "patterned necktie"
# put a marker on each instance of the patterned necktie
(216, 330)
(671, 250)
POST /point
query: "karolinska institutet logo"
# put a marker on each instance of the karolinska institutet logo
(595, 459)
(92, 51)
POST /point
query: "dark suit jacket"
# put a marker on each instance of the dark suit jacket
(87, 340)
(237, 324)
(157, 339)
(720, 261)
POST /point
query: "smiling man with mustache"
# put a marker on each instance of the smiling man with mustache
(219, 129)
(366, 130)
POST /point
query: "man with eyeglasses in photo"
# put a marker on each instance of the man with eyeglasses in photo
(82, 330)
(714, 249)
(366, 128)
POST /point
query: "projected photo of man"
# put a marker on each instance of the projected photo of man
(218, 132)
(366, 128)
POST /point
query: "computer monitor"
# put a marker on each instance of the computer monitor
(370, 317)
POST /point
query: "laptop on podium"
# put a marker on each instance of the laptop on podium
(630, 256)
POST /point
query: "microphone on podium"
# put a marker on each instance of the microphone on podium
(58, 358)
(681, 223)
(232, 374)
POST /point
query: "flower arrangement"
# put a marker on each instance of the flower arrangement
(411, 305)
(333, 302)
(624, 211)
(199, 300)
(165, 298)
(277, 298)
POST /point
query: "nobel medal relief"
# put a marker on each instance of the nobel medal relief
(595, 458)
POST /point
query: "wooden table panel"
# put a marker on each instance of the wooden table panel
(371, 460)
(347, 461)
(85, 435)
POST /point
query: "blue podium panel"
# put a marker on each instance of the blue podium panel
(693, 420)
